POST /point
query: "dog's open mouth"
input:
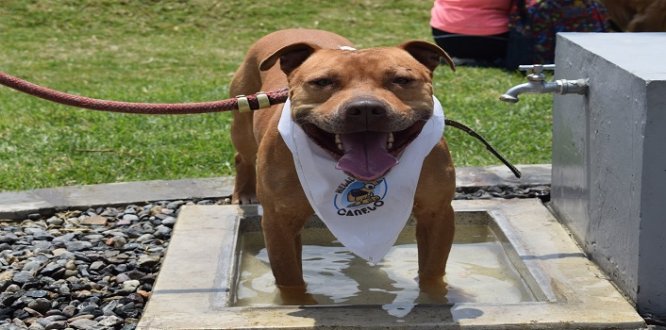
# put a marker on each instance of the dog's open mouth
(365, 155)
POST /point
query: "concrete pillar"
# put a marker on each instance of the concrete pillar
(609, 157)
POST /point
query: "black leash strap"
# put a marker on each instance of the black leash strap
(490, 148)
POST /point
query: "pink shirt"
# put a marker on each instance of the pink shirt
(471, 17)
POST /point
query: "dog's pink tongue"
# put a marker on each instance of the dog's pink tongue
(366, 157)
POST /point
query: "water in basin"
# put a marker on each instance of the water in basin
(479, 270)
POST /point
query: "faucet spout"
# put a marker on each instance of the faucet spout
(536, 84)
(536, 87)
(511, 95)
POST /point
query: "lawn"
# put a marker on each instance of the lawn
(177, 51)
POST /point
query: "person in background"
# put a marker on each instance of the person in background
(473, 32)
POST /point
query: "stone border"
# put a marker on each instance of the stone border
(15, 205)
(193, 289)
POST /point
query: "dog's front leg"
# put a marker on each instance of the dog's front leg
(286, 209)
(282, 235)
(283, 243)
(435, 223)
(434, 235)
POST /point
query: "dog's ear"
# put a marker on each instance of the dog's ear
(428, 54)
(290, 57)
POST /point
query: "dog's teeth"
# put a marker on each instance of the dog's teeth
(338, 142)
(389, 141)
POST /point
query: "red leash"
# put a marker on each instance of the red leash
(242, 103)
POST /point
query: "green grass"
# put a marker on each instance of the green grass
(174, 51)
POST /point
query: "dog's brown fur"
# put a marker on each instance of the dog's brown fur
(263, 160)
(637, 15)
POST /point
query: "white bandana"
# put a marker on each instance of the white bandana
(366, 217)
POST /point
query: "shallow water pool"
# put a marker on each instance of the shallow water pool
(479, 270)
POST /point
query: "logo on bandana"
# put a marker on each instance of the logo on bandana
(354, 197)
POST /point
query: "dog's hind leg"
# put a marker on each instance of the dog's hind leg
(244, 82)
(245, 159)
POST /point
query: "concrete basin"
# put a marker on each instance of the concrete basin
(512, 266)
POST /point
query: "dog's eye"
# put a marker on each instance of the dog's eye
(322, 82)
(402, 80)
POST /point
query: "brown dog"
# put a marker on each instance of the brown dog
(337, 92)
(637, 15)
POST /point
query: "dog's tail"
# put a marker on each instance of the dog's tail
(247, 80)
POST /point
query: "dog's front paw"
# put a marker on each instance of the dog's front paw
(296, 296)
(435, 289)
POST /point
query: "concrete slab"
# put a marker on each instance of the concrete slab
(194, 288)
(532, 175)
(14, 205)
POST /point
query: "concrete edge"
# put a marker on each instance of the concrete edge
(187, 295)
(18, 204)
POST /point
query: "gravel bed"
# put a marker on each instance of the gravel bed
(91, 269)
(541, 191)
(94, 269)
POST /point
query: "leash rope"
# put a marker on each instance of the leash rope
(241, 103)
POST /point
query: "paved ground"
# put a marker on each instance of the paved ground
(19, 204)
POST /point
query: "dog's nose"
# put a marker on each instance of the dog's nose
(369, 109)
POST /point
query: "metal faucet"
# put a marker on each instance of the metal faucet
(536, 84)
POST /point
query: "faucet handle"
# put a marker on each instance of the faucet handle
(536, 68)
